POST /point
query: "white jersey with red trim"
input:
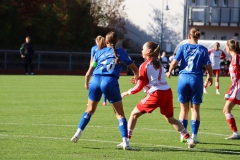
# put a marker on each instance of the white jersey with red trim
(215, 56)
(150, 79)
(233, 91)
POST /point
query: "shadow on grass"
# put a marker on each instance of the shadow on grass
(227, 144)
(195, 150)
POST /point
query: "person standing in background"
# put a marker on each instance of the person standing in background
(215, 54)
(27, 53)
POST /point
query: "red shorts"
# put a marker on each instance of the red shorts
(215, 71)
(162, 99)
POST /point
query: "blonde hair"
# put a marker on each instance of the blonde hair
(233, 45)
(100, 40)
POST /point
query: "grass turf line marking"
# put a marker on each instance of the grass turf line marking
(90, 126)
(103, 141)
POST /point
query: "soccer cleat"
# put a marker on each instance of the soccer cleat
(217, 92)
(190, 143)
(120, 144)
(183, 140)
(75, 139)
(104, 103)
(196, 140)
(233, 136)
(127, 147)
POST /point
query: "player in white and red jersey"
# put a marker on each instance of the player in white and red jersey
(232, 95)
(215, 54)
(159, 94)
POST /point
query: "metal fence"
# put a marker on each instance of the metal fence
(53, 60)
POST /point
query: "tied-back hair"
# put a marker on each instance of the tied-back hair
(100, 42)
(111, 38)
(195, 33)
(155, 49)
(233, 45)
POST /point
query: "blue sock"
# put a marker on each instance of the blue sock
(84, 120)
(122, 124)
(195, 125)
(184, 123)
(104, 98)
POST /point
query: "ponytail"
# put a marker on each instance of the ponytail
(155, 49)
(111, 38)
(115, 54)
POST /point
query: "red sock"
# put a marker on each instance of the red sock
(129, 134)
(231, 122)
(217, 85)
(185, 134)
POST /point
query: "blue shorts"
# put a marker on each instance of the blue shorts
(190, 88)
(107, 85)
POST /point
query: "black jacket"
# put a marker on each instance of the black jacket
(27, 50)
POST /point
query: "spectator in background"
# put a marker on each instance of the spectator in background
(170, 59)
(164, 61)
(225, 67)
(27, 53)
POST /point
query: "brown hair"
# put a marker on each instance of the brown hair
(195, 33)
(233, 45)
(155, 49)
(100, 42)
(111, 38)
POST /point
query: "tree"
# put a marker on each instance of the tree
(109, 14)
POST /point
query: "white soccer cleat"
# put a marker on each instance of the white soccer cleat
(127, 147)
(190, 143)
(120, 144)
(75, 139)
(233, 137)
(217, 92)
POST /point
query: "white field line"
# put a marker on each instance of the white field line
(103, 141)
(90, 126)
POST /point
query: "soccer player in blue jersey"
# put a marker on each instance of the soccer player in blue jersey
(105, 70)
(100, 44)
(190, 82)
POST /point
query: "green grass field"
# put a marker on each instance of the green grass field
(39, 115)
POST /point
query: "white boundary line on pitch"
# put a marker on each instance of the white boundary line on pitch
(103, 141)
(91, 126)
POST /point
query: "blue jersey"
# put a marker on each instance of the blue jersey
(192, 57)
(94, 49)
(105, 60)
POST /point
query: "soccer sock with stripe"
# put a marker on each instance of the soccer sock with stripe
(217, 85)
(195, 126)
(84, 120)
(122, 124)
(231, 122)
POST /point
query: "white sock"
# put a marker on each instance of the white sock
(125, 140)
(194, 136)
(78, 133)
(236, 133)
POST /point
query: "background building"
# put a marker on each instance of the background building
(147, 20)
